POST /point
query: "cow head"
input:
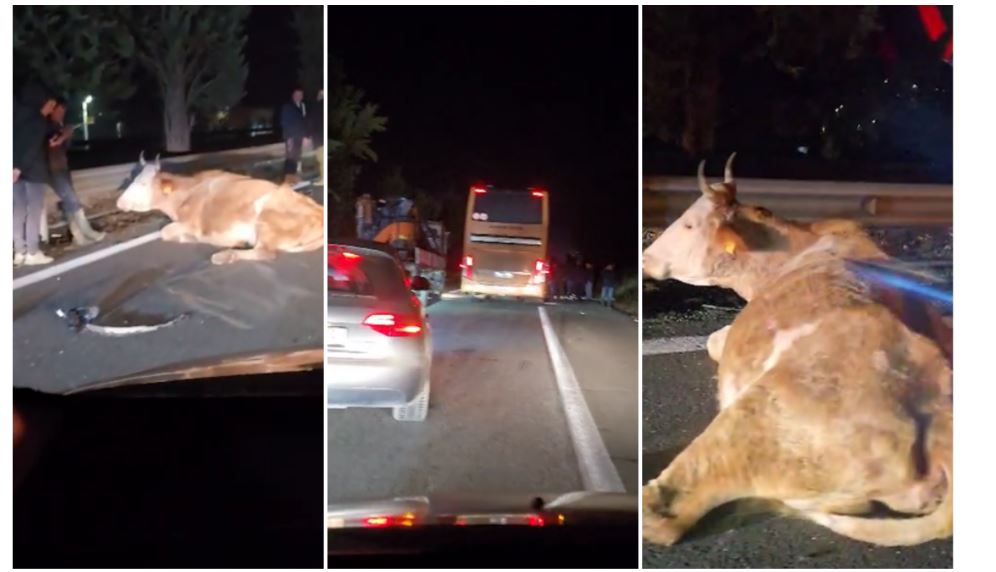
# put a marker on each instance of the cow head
(711, 243)
(145, 189)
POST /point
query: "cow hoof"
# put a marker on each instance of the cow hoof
(224, 257)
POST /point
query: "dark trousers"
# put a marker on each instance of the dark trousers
(293, 147)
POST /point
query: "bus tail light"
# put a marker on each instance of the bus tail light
(468, 266)
(393, 325)
(541, 269)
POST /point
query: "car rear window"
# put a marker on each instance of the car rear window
(359, 274)
(510, 207)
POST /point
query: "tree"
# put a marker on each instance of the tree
(309, 23)
(196, 55)
(689, 50)
(76, 51)
(352, 123)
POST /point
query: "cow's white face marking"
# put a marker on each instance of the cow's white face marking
(139, 194)
(682, 251)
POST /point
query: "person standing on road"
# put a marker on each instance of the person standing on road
(589, 281)
(570, 271)
(62, 181)
(31, 172)
(295, 129)
(364, 216)
(317, 122)
(608, 285)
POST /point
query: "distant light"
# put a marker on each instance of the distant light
(88, 99)
(874, 121)
(915, 86)
(886, 80)
(823, 129)
(802, 149)
(859, 127)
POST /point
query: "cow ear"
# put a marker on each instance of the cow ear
(165, 185)
(729, 241)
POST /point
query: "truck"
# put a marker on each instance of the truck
(421, 244)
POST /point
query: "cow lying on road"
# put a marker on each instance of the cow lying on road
(253, 218)
(831, 400)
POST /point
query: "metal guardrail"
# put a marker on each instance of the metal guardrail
(99, 183)
(882, 204)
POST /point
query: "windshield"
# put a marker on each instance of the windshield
(515, 371)
(511, 207)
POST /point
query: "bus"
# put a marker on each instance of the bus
(505, 246)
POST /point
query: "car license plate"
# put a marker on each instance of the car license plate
(503, 274)
(337, 336)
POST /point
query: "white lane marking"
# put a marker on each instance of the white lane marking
(597, 471)
(63, 267)
(675, 345)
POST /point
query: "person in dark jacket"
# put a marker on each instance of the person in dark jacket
(31, 171)
(293, 122)
(608, 285)
(62, 182)
(317, 116)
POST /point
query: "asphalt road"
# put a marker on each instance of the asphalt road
(679, 401)
(496, 423)
(243, 307)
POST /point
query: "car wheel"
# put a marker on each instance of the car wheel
(417, 409)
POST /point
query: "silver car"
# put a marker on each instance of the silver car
(378, 343)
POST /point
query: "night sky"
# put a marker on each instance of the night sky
(271, 51)
(511, 96)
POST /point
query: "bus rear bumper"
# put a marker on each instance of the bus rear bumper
(537, 291)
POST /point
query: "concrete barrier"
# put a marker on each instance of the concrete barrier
(890, 204)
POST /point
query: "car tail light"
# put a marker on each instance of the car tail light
(537, 192)
(386, 521)
(542, 267)
(479, 190)
(535, 520)
(394, 325)
(468, 266)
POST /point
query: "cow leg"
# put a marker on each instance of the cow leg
(720, 465)
(716, 343)
(176, 232)
(234, 255)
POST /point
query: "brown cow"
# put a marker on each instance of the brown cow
(829, 400)
(229, 210)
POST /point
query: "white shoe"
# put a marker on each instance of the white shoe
(37, 259)
(19, 259)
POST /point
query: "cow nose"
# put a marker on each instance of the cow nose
(653, 266)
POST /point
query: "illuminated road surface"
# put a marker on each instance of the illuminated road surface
(496, 422)
(243, 307)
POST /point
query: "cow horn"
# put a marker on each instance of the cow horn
(728, 173)
(703, 184)
(141, 158)
(159, 165)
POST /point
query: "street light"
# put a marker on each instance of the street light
(86, 119)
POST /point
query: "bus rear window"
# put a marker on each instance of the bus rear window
(513, 207)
